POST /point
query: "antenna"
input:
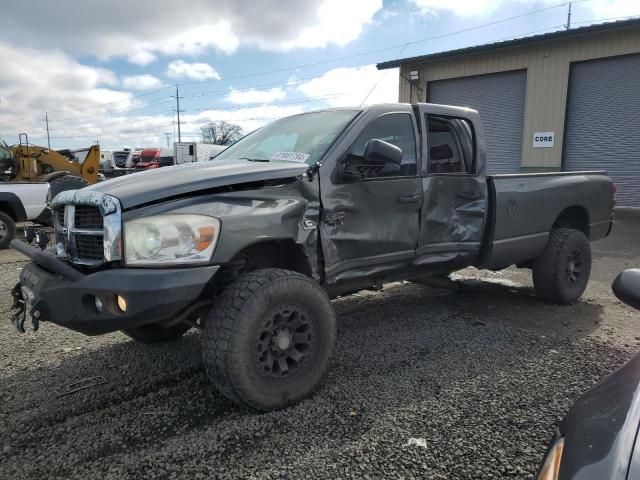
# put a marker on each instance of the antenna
(568, 24)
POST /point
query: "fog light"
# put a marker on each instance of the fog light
(98, 303)
(122, 303)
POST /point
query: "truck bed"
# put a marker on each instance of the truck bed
(524, 207)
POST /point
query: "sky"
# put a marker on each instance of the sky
(107, 71)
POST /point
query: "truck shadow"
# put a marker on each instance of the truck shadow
(403, 348)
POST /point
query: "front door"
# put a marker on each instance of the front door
(455, 199)
(370, 226)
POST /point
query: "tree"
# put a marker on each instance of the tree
(221, 133)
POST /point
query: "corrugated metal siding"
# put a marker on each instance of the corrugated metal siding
(603, 122)
(500, 100)
(547, 67)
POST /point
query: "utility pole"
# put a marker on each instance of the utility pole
(168, 135)
(46, 119)
(568, 25)
(178, 97)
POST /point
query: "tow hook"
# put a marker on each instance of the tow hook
(20, 314)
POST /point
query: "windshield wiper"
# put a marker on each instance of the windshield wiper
(253, 159)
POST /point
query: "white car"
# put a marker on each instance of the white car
(21, 202)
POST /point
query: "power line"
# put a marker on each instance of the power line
(393, 47)
(381, 76)
(308, 65)
(337, 59)
(628, 17)
(113, 112)
(128, 99)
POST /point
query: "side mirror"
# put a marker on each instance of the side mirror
(626, 287)
(440, 152)
(380, 151)
(378, 157)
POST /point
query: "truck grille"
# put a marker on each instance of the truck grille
(89, 247)
(79, 231)
(88, 227)
(88, 217)
(120, 159)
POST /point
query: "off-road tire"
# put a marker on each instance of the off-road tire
(62, 184)
(153, 333)
(8, 228)
(552, 271)
(233, 338)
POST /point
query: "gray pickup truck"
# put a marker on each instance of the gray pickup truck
(250, 247)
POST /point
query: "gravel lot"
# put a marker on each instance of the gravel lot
(425, 384)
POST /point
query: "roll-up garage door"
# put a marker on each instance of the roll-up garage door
(499, 97)
(603, 122)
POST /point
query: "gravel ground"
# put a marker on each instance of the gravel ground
(425, 384)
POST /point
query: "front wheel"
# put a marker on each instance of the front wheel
(561, 273)
(268, 340)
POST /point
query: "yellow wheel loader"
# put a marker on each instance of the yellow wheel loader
(62, 169)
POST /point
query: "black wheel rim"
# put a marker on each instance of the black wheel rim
(574, 267)
(4, 230)
(285, 342)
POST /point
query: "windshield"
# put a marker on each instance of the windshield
(302, 138)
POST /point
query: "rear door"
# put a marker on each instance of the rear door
(455, 203)
(370, 226)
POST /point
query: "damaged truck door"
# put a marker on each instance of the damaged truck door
(372, 201)
(455, 199)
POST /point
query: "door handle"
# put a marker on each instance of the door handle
(409, 198)
(467, 195)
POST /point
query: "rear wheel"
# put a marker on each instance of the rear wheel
(7, 230)
(268, 340)
(561, 273)
(157, 333)
(62, 184)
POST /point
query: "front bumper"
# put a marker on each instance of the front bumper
(152, 295)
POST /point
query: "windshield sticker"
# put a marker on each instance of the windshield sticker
(291, 156)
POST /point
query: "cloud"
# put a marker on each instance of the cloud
(63, 87)
(141, 82)
(194, 71)
(252, 95)
(348, 86)
(465, 8)
(460, 8)
(142, 30)
(337, 22)
(613, 8)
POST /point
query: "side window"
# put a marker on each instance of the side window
(394, 128)
(451, 146)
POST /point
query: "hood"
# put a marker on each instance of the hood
(154, 185)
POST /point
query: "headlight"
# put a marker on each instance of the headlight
(170, 239)
(551, 466)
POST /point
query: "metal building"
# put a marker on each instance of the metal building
(567, 100)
